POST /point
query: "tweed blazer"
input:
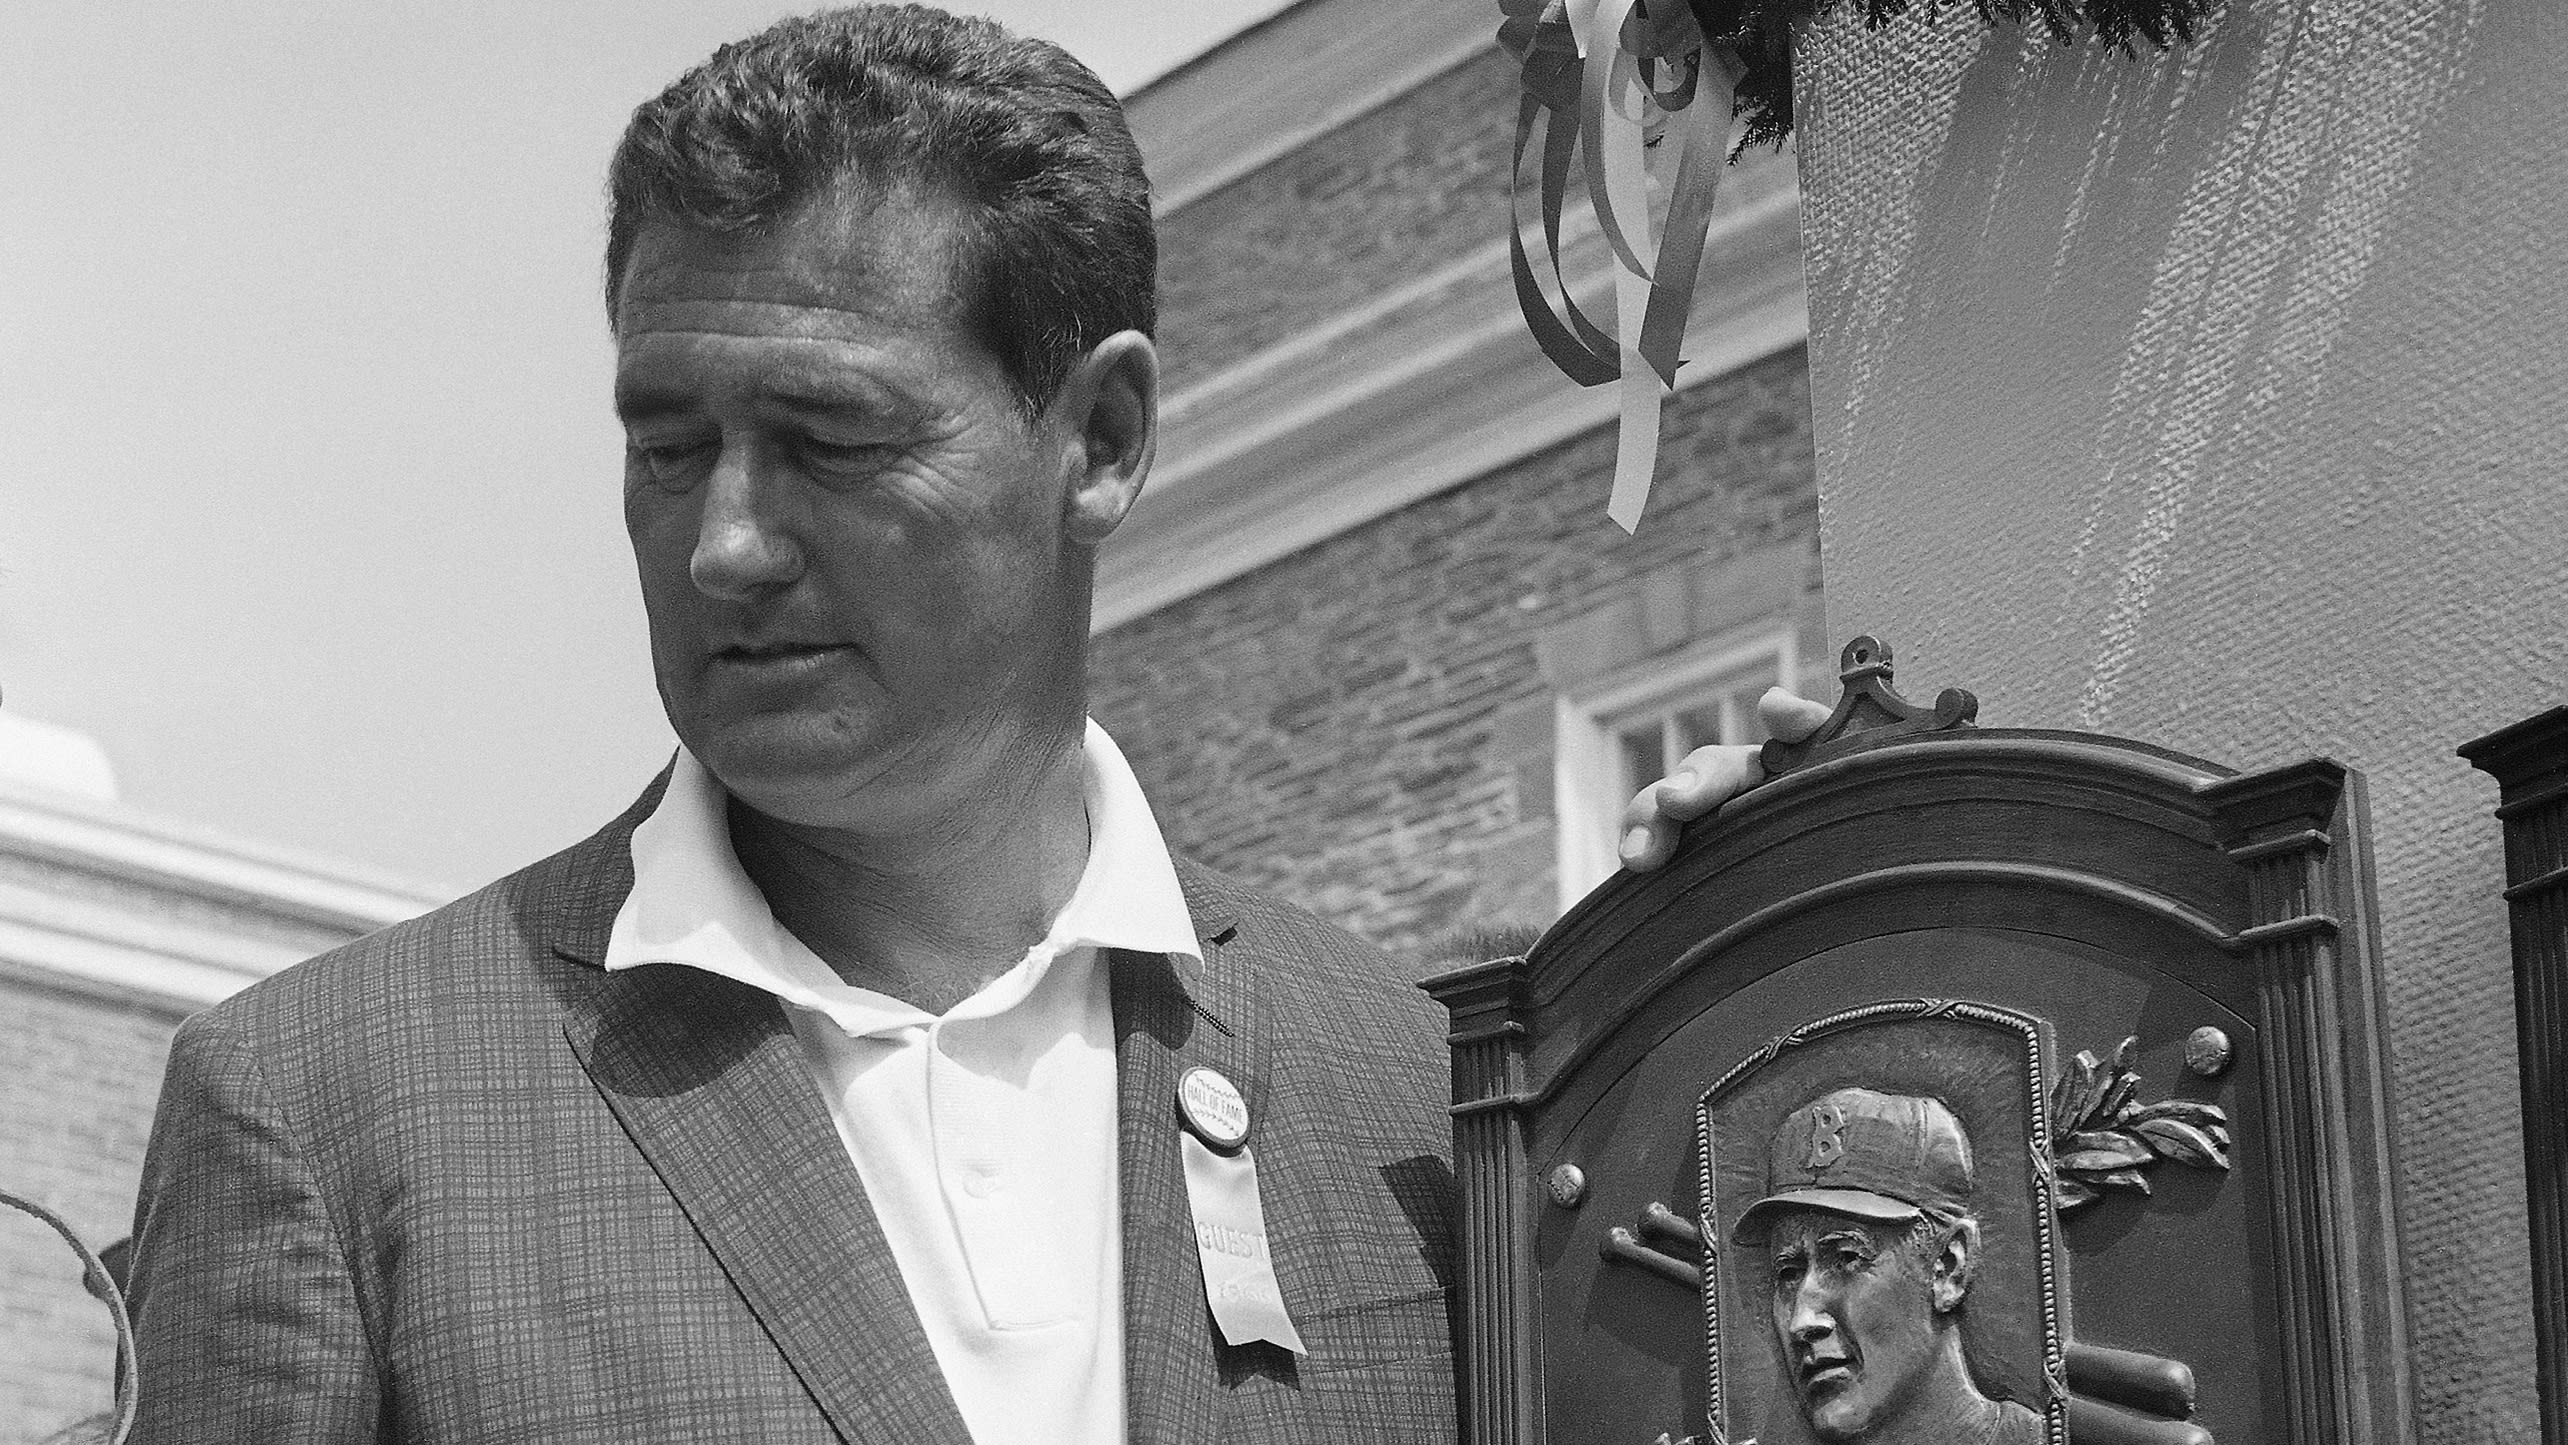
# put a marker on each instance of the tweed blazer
(456, 1182)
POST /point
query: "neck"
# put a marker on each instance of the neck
(931, 912)
(1948, 1407)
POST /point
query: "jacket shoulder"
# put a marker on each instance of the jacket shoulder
(1336, 1003)
(482, 952)
(1306, 956)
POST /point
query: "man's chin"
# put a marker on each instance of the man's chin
(1835, 1411)
(800, 774)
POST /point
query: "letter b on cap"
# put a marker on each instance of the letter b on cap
(1827, 1137)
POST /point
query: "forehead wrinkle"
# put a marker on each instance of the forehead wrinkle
(829, 390)
(843, 250)
(837, 309)
(716, 316)
(815, 359)
(1819, 1227)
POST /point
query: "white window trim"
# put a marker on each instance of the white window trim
(1583, 750)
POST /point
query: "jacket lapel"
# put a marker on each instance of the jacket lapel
(708, 1080)
(1165, 1023)
(1170, 1370)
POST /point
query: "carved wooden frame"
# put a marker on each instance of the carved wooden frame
(2530, 763)
(2265, 875)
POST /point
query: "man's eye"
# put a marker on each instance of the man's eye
(671, 463)
(844, 461)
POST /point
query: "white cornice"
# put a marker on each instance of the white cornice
(1431, 385)
(101, 900)
(1302, 73)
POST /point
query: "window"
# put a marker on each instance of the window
(1620, 737)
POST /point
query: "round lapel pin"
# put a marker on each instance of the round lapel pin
(1211, 1107)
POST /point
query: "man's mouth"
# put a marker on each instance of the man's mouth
(771, 648)
(773, 651)
(760, 664)
(1825, 1373)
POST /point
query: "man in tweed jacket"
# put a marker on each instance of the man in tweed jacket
(881, 283)
(613, 1149)
(457, 1182)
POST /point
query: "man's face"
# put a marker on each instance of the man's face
(850, 539)
(1854, 1316)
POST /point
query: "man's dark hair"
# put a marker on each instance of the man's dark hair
(1055, 252)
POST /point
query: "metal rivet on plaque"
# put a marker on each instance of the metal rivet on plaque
(1568, 1185)
(2208, 1052)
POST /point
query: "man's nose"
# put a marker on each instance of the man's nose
(745, 536)
(1813, 1318)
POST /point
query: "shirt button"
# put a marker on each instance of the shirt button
(981, 1183)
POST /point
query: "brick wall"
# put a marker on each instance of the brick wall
(1367, 725)
(1364, 726)
(78, 1078)
(1385, 198)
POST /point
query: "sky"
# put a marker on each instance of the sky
(309, 488)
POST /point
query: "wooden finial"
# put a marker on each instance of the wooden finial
(1869, 705)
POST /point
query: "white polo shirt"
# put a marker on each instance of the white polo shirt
(985, 1136)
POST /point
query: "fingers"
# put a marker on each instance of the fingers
(1709, 777)
(2151, 1383)
(1790, 716)
(2093, 1422)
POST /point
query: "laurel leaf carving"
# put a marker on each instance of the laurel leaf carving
(2103, 1136)
(2184, 1143)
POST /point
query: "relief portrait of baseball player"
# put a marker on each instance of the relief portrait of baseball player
(1868, 1236)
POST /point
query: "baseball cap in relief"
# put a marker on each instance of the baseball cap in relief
(1866, 1154)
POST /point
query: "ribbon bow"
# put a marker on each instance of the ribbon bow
(1623, 87)
(1639, 90)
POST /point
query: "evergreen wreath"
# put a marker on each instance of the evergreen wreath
(1759, 33)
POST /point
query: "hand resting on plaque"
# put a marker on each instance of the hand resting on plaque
(1709, 777)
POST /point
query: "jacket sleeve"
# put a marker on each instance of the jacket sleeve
(246, 1320)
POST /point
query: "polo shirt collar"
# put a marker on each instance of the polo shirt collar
(692, 904)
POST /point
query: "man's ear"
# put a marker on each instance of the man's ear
(1953, 1262)
(1107, 414)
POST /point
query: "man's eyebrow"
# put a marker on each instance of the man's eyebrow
(644, 403)
(871, 400)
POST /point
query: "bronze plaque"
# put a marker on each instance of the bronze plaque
(1957, 1085)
